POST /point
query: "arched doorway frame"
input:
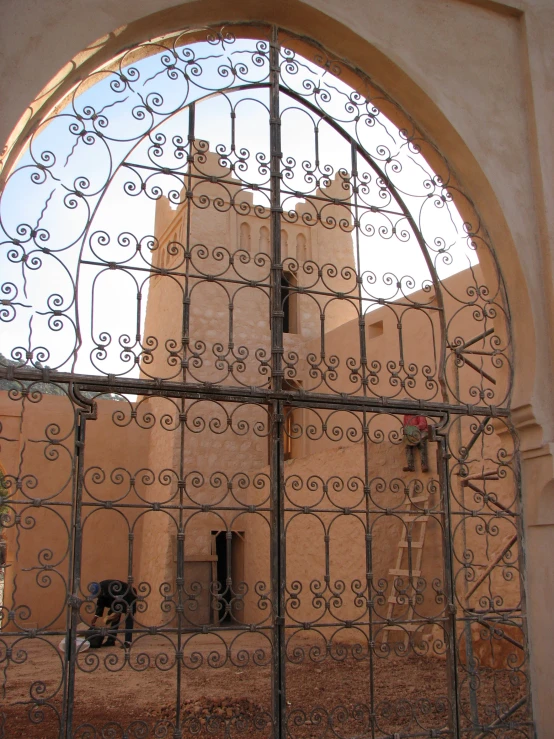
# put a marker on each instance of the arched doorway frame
(539, 462)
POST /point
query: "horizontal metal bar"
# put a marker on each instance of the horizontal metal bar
(256, 395)
(212, 628)
(158, 272)
(491, 612)
(354, 298)
(115, 505)
(468, 513)
(433, 512)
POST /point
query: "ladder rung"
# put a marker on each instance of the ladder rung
(406, 627)
(419, 498)
(405, 573)
(415, 544)
(414, 517)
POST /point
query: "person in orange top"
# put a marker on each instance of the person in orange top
(416, 432)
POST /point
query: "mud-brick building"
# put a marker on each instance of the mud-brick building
(176, 489)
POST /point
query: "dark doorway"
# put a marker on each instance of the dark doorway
(289, 300)
(3, 561)
(228, 546)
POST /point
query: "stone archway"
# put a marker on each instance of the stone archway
(333, 202)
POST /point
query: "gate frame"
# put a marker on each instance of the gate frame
(274, 399)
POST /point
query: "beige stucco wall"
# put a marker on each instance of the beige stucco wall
(478, 77)
(229, 450)
(138, 453)
(38, 449)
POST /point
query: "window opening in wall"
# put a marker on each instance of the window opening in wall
(245, 236)
(301, 248)
(290, 303)
(264, 240)
(375, 329)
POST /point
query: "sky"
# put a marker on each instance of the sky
(71, 195)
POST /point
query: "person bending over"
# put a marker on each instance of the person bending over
(120, 599)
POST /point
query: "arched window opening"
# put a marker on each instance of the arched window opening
(245, 236)
(264, 240)
(302, 248)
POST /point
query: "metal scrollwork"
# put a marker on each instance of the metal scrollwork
(258, 475)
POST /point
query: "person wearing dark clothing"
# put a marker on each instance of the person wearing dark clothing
(120, 599)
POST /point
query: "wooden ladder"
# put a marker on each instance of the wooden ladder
(402, 598)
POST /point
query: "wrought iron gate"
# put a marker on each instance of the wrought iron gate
(282, 464)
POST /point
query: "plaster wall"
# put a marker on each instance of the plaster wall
(235, 317)
(142, 453)
(228, 320)
(37, 449)
(478, 78)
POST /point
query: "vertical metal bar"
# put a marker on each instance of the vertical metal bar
(361, 316)
(452, 653)
(185, 338)
(369, 575)
(365, 425)
(277, 426)
(185, 330)
(278, 571)
(74, 585)
(277, 312)
(180, 579)
(470, 660)
(228, 599)
(521, 553)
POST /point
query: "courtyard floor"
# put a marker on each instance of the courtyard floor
(117, 698)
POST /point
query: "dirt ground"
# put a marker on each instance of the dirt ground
(230, 695)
